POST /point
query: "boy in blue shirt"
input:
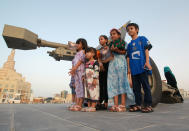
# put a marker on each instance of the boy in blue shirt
(139, 67)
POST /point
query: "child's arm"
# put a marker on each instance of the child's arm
(108, 59)
(147, 64)
(128, 59)
(100, 64)
(115, 49)
(123, 52)
(146, 46)
(128, 66)
(81, 60)
(74, 68)
(96, 73)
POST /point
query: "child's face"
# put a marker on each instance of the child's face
(89, 55)
(102, 41)
(79, 46)
(132, 30)
(114, 35)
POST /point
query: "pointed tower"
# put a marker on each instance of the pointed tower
(12, 83)
(10, 63)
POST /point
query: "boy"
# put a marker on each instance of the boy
(139, 66)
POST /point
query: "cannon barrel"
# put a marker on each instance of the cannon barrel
(21, 38)
(44, 43)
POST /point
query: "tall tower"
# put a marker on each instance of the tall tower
(10, 63)
(13, 84)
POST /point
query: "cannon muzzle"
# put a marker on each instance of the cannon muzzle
(21, 38)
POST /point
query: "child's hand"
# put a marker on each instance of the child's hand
(83, 78)
(72, 71)
(106, 47)
(113, 48)
(148, 66)
(101, 67)
(94, 82)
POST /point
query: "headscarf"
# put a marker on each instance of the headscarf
(167, 69)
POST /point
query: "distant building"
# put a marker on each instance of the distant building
(64, 94)
(38, 100)
(68, 98)
(13, 86)
(57, 95)
(64, 97)
(184, 93)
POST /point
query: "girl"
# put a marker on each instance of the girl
(105, 57)
(91, 80)
(117, 73)
(78, 68)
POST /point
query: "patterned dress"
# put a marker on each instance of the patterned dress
(117, 74)
(79, 88)
(91, 73)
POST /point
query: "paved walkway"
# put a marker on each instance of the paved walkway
(56, 117)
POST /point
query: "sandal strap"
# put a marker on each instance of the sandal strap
(147, 109)
(135, 108)
(76, 108)
(121, 108)
(113, 108)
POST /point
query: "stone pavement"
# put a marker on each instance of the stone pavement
(56, 117)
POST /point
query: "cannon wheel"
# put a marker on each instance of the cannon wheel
(155, 84)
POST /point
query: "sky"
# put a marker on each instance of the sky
(163, 22)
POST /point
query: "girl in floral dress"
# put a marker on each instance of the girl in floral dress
(78, 68)
(91, 80)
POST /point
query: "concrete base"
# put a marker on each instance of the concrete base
(56, 117)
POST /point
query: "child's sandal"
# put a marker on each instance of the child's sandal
(121, 108)
(71, 107)
(84, 109)
(113, 109)
(147, 109)
(76, 108)
(135, 109)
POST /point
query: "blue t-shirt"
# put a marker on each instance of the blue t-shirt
(136, 53)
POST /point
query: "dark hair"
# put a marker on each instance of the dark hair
(133, 24)
(83, 42)
(93, 50)
(105, 37)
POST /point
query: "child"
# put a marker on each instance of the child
(78, 68)
(91, 80)
(138, 64)
(72, 86)
(105, 57)
(117, 73)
